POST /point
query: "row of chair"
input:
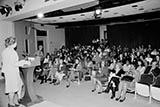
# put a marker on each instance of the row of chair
(149, 87)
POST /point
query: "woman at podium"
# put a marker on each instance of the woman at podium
(10, 68)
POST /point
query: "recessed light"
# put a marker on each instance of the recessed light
(116, 2)
(122, 14)
(40, 15)
(73, 18)
(134, 5)
(82, 15)
(156, 9)
(106, 11)
(115, 13)
(146, 11)
(141, 8)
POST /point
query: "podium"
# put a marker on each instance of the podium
(29, 96)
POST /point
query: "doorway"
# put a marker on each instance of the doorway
(42, 41)
(41, 38)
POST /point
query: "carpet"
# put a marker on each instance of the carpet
(46, 104)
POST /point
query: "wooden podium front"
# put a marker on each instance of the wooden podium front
(30, 96)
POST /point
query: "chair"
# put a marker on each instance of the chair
(155, 89)
(143, 87)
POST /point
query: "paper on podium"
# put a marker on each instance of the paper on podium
(35, 62)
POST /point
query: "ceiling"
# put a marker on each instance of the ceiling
(117, 12)
(73, 12)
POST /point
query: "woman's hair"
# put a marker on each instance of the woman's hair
(10, 41)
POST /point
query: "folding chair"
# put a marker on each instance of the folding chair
(155, 89)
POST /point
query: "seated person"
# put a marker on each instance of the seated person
(151, 75)
(140, 70)
(101, 76)
(75, 70)
(37, 72)
(45, 68)
(45, 72)
(52, 72)
(149, 59)
(115, 76)
(125, 81)
(66, 71)
(60, 74)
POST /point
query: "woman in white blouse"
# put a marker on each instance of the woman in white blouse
(10, 68)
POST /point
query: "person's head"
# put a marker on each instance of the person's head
(61, 61)
(157, 58)
(154, 64)
(40, 47)
(76, 60)
(103, 64)
(121, 55)
(148, 55)
(10, 42)
(132, 67)
(139, 62)
(127, 62)
(48, 55)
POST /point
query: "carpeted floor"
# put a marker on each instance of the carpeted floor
(78, 96)
(81, 96)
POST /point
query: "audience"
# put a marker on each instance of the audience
(116, 66)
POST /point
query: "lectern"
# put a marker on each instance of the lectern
(29, 98)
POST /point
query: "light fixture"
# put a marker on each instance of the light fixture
(98, 12)
(18, 5)
(5, 10)
(2, 10)
(40, 15)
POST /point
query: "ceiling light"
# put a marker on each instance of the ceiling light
(98, 12)
(73, 18)
(40, 15)
(18, 5)
(2, 10)
(82, 15)
(5, 10)
(60, 17)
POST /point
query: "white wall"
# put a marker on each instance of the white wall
(6, 30)
(101, 31)
(21, 36)
(55, 37)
